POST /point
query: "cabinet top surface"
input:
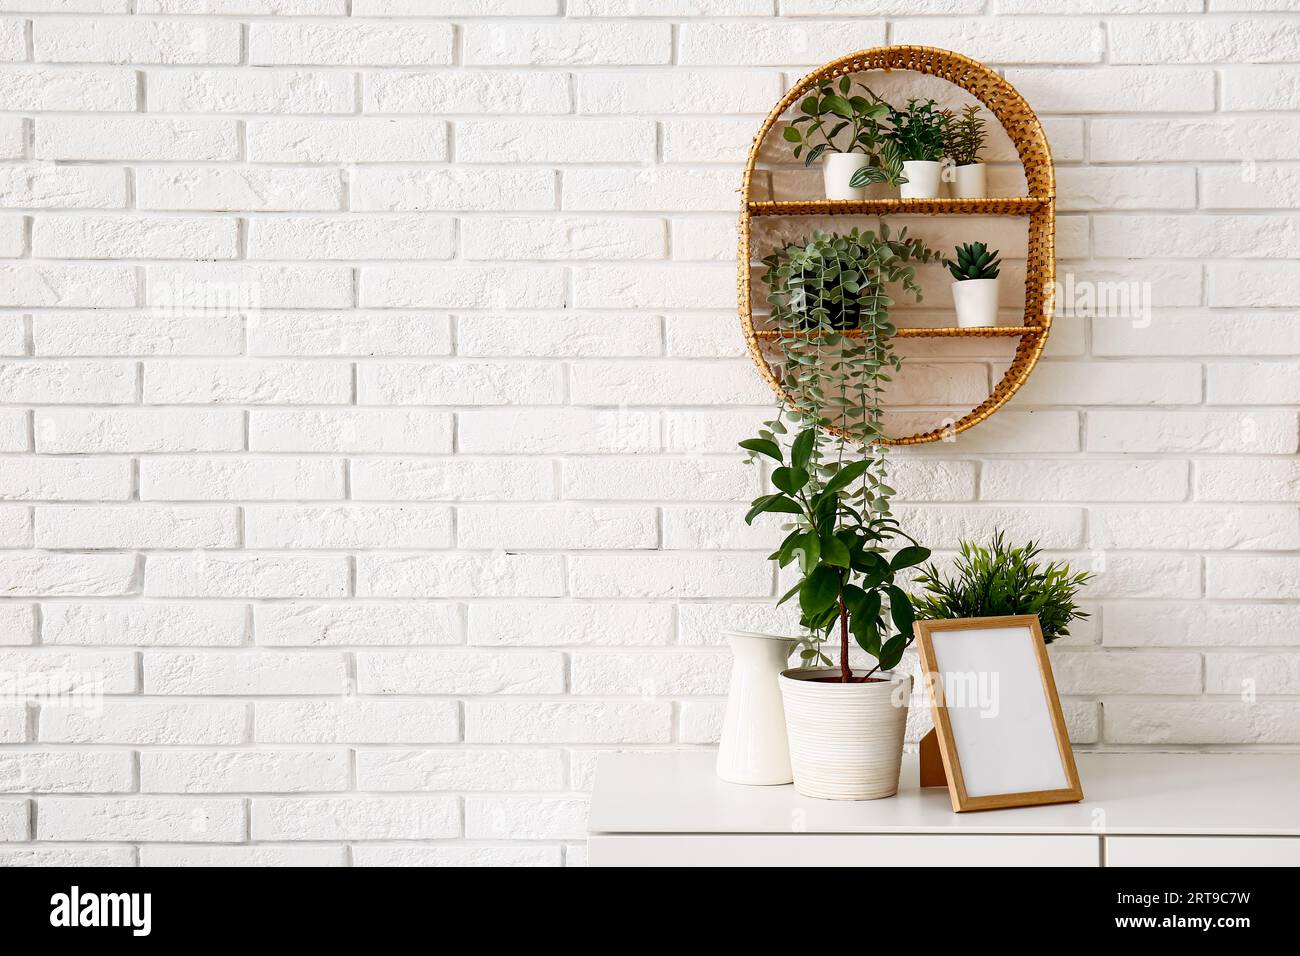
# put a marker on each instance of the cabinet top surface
(1151, 793)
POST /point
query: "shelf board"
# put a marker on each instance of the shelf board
(996, 331)
(1011, 206)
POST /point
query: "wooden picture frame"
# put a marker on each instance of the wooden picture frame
(1019, 758)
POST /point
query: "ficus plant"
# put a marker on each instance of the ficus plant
(836, 118)
(830, 302)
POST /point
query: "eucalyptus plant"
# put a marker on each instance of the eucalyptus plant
(830, 301)
(919, 131)
(834, 117)
(996, 580)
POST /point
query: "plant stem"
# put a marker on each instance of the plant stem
(846, 675)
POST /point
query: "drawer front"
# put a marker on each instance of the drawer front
(1202, 851)
(900, 849)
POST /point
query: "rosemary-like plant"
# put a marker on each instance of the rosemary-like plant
(965, 137)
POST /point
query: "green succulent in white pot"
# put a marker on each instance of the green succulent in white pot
(828, 471)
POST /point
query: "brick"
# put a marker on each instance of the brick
(705, 240)
(654, 478)
(214, 574)
(248, 91)
(72, 479)
(373, 237)
(147, 722)
(247, 382)
(526, 818)
(666, 382)
(67, 856)
(1118, 672)
(1126, 383)
(190, 288)
(13, 432)
(452, 479)
(340, 527)
(1248, 674)
(700, 722)
(1008, 40)
(680, 574)
(1251, 480)
(1250, 88)
(1192, 431)
(1181, 333)
(710, 140)
(144, 625)
(135, 526)
(571, 238)
(547, 722)
(448, 92)
(243, 856)
(225, 189)
(233, 771)
(459, 383)
(17, 624)
(1133, 575)
(62, 383)
(558, 335)
(795, 43)
(454, 854)
(544, 624)
(1103, 188)
(711, 527)
(401, 189)
(134, 334)
(705, 622)
(15, 526)
(346, 140)
(624, 286)
(1156, 140)
(316, 430)
(244, 674)
(1160, 624)
(355, 818)
(566, 44)
(651, 674)
(68, 286)
(343, 625)
(1097, 91)
(462, 286)
(556, 526)
(1263, 577)
(1204, 40)
(67, 575)
(659, 189)
(135, 138)
(44, 89)
(63, 677)
(356, 721)
(66, 771)
(15, 724)
(555, 141)
(462, 673)
(86, 431)
(1202, 722)
(1074, 480)
(1251, 383)
(349, 333)
(679, 91)
(118, 237)
(1197, 237)
(305, 8)
(461, 768)
(135, 818)
(348, 44)
(131, 40)
(459, 575)
(230, 479)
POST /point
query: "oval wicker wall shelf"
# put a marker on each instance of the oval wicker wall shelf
(1026, 134)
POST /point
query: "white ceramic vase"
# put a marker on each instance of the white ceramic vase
(970, 181)
(753, 749)
(838, 169)
(846, 740)
(976, 301)
(924, 180)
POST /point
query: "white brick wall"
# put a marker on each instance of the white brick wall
(370, 564)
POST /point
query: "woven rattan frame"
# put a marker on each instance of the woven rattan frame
(1026, 133)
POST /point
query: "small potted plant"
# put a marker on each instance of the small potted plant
(965, 140)
(844, 127)
(919, 132)
(975, 293)
(845, 728)
(998, 580)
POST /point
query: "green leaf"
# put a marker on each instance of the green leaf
(900, 609)
(819, 590)
(762, 446)
(777, 502)
(792, 135)
(802, 448)
(789, 480)
(789, 594)
(808, 546)
(846, 476)
(834, 552)
(909, 557)
(892, 652)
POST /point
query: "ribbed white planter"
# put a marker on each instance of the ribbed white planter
(846, 740)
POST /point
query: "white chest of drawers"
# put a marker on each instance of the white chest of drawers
(1140, 809)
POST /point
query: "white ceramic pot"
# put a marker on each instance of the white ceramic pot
(924, 180)
(846, 740)
(838, 169)
(970, 182)
(753, 749)
(976, 301)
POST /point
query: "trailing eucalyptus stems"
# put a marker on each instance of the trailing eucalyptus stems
(830, 472)
(835, 118)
